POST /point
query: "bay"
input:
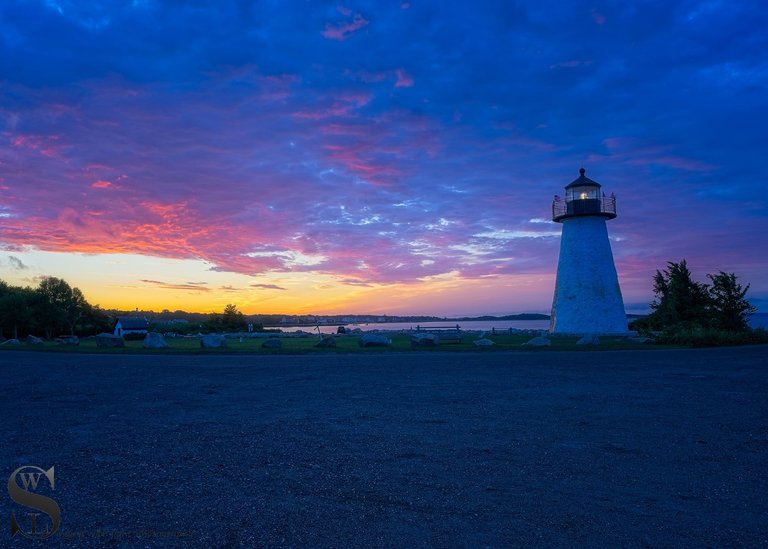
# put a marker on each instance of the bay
(759, 320)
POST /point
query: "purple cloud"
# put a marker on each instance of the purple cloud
(267, 286)
(170, 286)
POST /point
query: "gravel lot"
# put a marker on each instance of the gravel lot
(631, 449)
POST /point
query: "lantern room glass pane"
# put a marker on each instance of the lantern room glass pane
(585, 192)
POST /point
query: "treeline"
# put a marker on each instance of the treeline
(52, 309)
(696, 313)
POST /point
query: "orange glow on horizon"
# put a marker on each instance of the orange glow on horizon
(127, 282)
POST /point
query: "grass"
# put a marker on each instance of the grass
(345, 344)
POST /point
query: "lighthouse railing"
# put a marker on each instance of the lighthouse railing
(562, 207)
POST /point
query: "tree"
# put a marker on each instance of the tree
(94, 320)
(16, 310)
(731, 311)
(61, 306)
(678, 298)
(232, 319)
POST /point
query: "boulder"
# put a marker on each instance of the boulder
(483, 342)
(32, 340)
(538, 342)
(374, 340)
(154, 340)
(11, 342)
(326, 342)
(272, 343)
(68, 340)
(106, 340)
(213, 341)
(589, 339)
(425, 340)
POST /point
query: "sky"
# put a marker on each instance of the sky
(391, 157)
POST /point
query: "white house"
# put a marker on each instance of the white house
(125, 325)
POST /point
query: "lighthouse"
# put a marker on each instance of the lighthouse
(587, 294)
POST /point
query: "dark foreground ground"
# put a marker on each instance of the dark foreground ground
(630, 449)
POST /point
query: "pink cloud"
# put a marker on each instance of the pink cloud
(634, 153)
(404, 80)
(344, 104)
(677, 162)
(342, 31)
(100, 184)
(45, 145)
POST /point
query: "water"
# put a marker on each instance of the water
(479, 325)
(759, 320)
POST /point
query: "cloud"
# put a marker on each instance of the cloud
(46, 145)
(267, 286)
(404, 80)
(266, 147)
(400, 76)
(636, 153)
(170, 286)
(345, 29)
(16, 263)
(352, 282)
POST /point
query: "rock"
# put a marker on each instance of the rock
(32, 340)
(11, 342)
(483, 342)
(213, 341)
(154, 340)
(425, 340)
(374, 340)
(538, 342)
(272, 343)
(326, 342)
(68, 340)
(106, 340)
(589, 339)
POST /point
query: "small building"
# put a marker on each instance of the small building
(125, 325)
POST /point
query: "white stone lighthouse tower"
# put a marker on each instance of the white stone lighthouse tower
(587, 293)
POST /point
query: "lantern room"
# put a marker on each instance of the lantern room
(583, 197)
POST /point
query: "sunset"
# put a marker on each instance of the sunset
(402, 274)
(373, 157)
